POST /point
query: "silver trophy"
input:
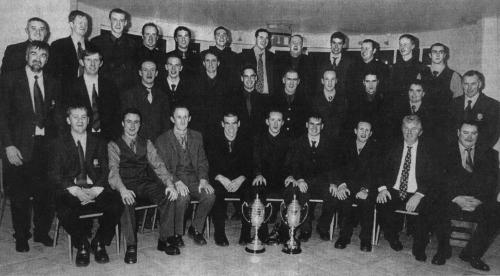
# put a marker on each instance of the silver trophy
(291, 215)
(257, 218)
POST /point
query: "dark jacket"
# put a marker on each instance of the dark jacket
(295, 113)
(247, 57)
(230, 164)
(14, 57)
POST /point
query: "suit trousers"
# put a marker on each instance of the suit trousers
(69, 209)
(219, 210)
(146, 191)
(27, 181)
(204, 207)
(350, 216)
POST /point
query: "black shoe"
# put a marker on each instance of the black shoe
(99, 250)
(396, 245)
(170, 246)
(221, 239)
(163, 244)
(179, 241)
(304, 236)
(341, 244)
(131, 254)
(44, 239)
(197, 236)
(244, 239)
(82, 255)
(22, 246)
(324, 236)
(438, 259)
(475, 262)
(421, 257)
(365, 246)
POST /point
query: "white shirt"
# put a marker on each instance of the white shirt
(359, 146)
(473, 99)
(83, 141)
(176, 83)
(337, 61)
(311, 139)
(417, 106)
(75, 44)
(463, 154)
(90, 81)
(31, 82)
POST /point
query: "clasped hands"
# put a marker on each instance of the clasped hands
(411, 205)
(301, 183)
(467, 203)
(232, 185)
(85, 195)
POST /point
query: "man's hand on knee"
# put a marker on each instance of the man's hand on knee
(171, 193)
(383, 196)
(128, 196)
(205, 186)
(181, 188)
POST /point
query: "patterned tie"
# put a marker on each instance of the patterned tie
(260, 75)
(334, 62)
(183, 142)
(81, 178)
(39, 110)
(133, 145)
(96, 121)
(469, 165)
(79, 53)
(149, 95)
(230, 145)
(403, 187)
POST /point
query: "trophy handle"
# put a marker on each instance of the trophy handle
(243, 211)
(306, 206)
(270, 206)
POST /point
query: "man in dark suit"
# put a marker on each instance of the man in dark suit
(472, 176)
(78, 167)
(177, 86)
(338, 61)
(230, 156)
(263, 60)
(98, 94)
(118, 51)
(65, 53)
(183, 153)
(150, 100)
(14, 57)
(408, 181)
(474, 105)
(355, 180)
(190, 57)
(138, 173)
(310, 174)
(293, 104)
(300, 62)
(149, 49)
(29, 118)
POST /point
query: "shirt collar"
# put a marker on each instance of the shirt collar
(32, 74)
(79, 137)
(462, 148)
(473, 99)
(414, 146)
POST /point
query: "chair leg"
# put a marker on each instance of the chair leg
(2, 208)
(70, 249)
(332, 225)
(207, 231)
(144, 220)
(374, 229)
(56, 233)
(117, 237)
(154, 218)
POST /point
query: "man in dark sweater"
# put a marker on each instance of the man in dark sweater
(190, 58)
(150, 50)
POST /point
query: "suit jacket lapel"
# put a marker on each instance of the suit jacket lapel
(24, 86)
(91, 144)
(84, 93)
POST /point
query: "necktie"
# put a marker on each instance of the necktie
(230, 145)
(313, 144)
(248, 102)
(330, 98)
(260, 75)
(81, 178)
(39, 110)
(173, 87)
(403, 187)
(468, 110)
(80, 55)
(359, 150)
(149, 95)
(469, 165)
(334, 62)
(435, 73)
(413, 109)
(183, 55)
(133, 145)
(183, 142)
(96, 121)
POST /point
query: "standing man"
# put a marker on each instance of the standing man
(149, 49)
(228, 58)
(14, 57)
(182, 150)
(190, 58)
(67, 52)
(79, 171)
(137, 173)
(98, 94)
(29, 118)
(176, 85)
(118, 50)
(474, 105)
(263, 60)
(150, 100)
(443, 84)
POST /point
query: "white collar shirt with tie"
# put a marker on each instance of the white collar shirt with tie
(473, 101)
(90, 81)
(31, 82)
(463, 154)
(83, 141)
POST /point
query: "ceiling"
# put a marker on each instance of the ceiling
(314, 16)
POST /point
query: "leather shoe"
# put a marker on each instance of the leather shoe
(131, 254)
(197, 236)
(304, 236)
(82, 255)
(396, 245)
(221, 240)
(169, 247)
(438, 259)
(340, 244)
(475, 262)
(421, 257)
(179, 241)
(366, 246)
(22, 246)
(324, 236)
(45, 240)
(100, 254)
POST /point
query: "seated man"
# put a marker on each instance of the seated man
(269, 155)
(138, 173)
(310, 175)
(230, 156)
(356, 171)
(181, 148)
(472, 176)
(408, 182)
(79, 170)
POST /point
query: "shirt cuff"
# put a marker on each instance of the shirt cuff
(381, 188)
(420, 194)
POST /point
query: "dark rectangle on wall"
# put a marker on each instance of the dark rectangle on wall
(386, 56)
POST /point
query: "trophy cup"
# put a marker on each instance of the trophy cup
(257, 217)
(291, 216)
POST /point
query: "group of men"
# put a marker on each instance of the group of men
(107, 125)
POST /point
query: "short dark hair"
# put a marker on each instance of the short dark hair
(230, 113)
(91, 50)
(299, 36)
(410, 119)
(478, 74)
(120, 11)
(182, 28)
(178, 106)
(274, 109)
(365, 120)
(374, 43)
(131, 110)
(150, 24)
(315, 115)
(221, 28)
(76, 105)
(413, 39)
(417, 82)
(141, 62)
(247, 66)
(445, 48)
(262, 30)
(339, 35)
(173, 56)
(291, 70)
(468, 122)
(74, 13)
(38, 45)
(39, 20)
(370, 72)
(209, 52)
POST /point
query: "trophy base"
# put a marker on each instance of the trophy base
(255, 249)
